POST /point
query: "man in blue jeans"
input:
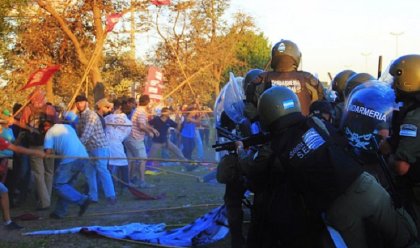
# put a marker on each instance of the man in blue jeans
(63, 141)
(92, 135)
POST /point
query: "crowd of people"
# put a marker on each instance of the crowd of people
(347, 162)
(109, 144)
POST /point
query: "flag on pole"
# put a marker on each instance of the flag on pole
(111, 20)
(161, 2)
(154, 85)
(41, 76)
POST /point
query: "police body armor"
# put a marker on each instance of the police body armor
(303, 84)
(316, 162)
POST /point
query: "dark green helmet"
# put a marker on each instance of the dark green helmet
(406, 73)
(250, 76)
(338, 84)
(356, 80)
(285, 48)
(276, 102)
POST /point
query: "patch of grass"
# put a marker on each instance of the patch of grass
(180, 191)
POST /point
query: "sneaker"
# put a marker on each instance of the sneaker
(12, 226)
(144, 185)
(84, 207)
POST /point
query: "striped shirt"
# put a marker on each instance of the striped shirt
(139, 118)
(90, 130)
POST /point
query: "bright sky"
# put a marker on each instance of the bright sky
(334, 35)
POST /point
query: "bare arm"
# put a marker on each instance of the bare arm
(23, 150)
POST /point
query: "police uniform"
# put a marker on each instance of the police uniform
(285, 59)
(405, 139)
(303, 84)
(328, 179)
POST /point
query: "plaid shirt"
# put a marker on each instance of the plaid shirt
(90, 130)
(139, 118)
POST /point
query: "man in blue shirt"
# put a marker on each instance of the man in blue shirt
(62, 139)
(162, 124)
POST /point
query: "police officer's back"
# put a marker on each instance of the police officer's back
(285, 59)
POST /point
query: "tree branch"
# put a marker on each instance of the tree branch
(64, 26)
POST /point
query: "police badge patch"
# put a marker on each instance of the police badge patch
(288, 104)
(408, 130)
(281, 48)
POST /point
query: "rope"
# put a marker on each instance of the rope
(133, 158)
(149, 210)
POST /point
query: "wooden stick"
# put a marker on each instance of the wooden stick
(186, 81)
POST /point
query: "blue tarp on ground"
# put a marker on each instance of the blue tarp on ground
(207, 229)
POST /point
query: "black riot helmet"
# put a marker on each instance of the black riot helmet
(275, 103)
(338, 84)
(321, 108)
(285, 51)
(406, 75)
(356, 80)
(250, 76)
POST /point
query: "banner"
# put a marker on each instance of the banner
(161, 2)
(154, 85)
(111, 20)
(41, 76)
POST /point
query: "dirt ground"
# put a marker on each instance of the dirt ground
(186, 200)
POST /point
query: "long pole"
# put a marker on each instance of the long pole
(187, 80)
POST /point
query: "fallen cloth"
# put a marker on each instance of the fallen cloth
(207, 229)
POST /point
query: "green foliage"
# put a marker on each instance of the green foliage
(253, 50)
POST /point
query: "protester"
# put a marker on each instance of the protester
(162, 124)
(62, 140)
(118, 127)
(42, 169)
(4, 201)
(92, 135)
(188, 131)
(135, 142)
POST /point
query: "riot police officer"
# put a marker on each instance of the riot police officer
(328, 179)
(229, 173)
(323, 110)
(405, 138)
(354, 81)
(285, 59)
(338, 85)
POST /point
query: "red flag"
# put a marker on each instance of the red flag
(154, 85)
(41, 76)
(111, 20)
(161, 2)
